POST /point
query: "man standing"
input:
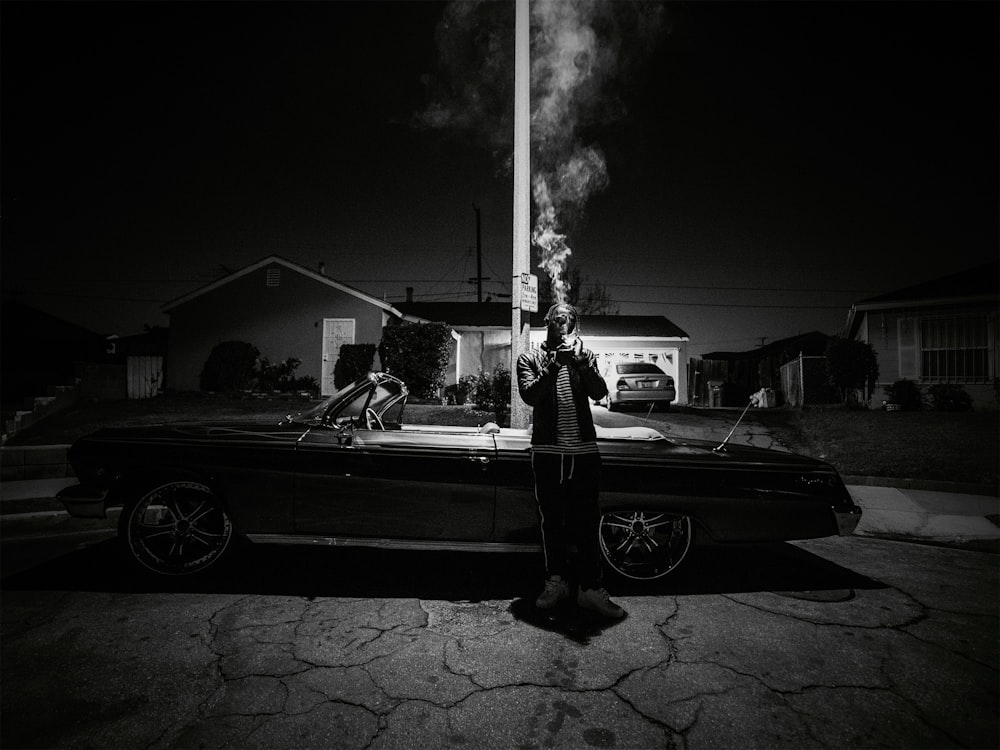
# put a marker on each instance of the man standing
(557, 381)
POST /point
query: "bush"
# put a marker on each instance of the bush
(851, 366)
(906, 393)
(281, 377)
(458, 393)
(354, 362)
(230, 367)
(417, 354)
(491, 392)
(949, 397)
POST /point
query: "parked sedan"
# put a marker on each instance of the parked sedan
(639, 383)
(351, 472)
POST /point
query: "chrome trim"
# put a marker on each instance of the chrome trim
(404, 544)
(847, 520)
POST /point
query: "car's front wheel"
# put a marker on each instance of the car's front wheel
(644, 545)
(176, 528)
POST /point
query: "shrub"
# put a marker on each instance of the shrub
(458, 393)
(492, 393)
(354, 362)
(851, 366)
(417, 353)
(949, 397)
(281, 377)
(906, 393)
(230, 367)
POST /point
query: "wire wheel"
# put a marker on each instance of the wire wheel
(177, 528)
(644, 545)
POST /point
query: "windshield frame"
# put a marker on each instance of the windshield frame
(379, 391)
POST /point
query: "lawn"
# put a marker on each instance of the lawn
(942, 446)
(933, 445)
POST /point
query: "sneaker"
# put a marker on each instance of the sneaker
(597, 600)
(555, 591)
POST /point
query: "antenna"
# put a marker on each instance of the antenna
(722, 446)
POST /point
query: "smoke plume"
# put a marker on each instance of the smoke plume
(580, 51)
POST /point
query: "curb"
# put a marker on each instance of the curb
(928, 485)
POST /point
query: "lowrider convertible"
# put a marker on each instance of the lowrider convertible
(351, 472)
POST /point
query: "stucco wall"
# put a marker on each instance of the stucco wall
(281, 321)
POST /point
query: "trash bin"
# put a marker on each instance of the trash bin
(715, 392)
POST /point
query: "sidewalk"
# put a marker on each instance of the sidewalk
(952, 518)
(30, 506)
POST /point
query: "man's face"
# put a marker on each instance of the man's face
(562, 322)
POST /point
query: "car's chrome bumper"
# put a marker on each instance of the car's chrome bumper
(623, 397)
(847, 520)
(81, 501)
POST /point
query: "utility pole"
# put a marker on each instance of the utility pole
(479, 278)
(520, 324)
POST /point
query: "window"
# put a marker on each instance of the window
(639, 368)
(955, 349)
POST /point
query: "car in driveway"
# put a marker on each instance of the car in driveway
(351, 471)
(638, 384)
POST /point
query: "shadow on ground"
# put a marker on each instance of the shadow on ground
(327, 572)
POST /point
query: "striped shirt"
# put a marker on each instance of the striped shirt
(568, 437)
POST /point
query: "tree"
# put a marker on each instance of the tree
(851, 366)
(588, 297)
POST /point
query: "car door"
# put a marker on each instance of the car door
(395, 484)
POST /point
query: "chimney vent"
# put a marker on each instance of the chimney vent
(322, 268)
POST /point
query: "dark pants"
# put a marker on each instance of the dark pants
(566, 488)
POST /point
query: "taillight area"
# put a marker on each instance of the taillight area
(622, 385)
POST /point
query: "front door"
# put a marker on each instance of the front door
(336, 333)
(395, 484)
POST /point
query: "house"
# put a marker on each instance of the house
(483, 337)
(941, 331)
(282, 308)
(728, 378)
(40, 351)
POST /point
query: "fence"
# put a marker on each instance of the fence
(804, 381)
(145, 376)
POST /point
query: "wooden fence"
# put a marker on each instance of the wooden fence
(145, 376)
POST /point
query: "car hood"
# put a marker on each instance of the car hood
(628, 445)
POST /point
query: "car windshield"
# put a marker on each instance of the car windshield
(639, 368)
(376, 392)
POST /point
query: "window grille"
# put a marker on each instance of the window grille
(273, 277)
(955, 349)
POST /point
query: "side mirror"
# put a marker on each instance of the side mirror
(345, 433)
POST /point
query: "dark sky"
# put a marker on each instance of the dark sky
(768, 163)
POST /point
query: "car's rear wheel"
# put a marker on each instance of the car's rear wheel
(644, 545)
(176, 528)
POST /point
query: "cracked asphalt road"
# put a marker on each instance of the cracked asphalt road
(843, 642)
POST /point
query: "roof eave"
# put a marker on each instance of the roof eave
(173, 304)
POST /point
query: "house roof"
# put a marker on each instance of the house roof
(277, 259)
(633, 326)
(979, 284)
(478, 314)
(498, 315)
(981, 281)
(809, 343)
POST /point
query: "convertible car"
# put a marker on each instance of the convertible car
(351, 472)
